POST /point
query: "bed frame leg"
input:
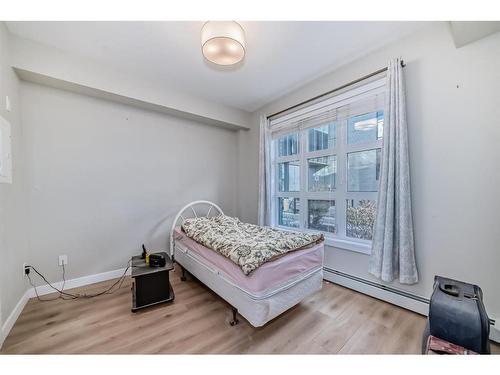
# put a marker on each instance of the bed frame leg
(183, 277)
(235, 319)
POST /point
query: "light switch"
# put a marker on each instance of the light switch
(7, 104)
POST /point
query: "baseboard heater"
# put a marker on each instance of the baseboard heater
(386, 293)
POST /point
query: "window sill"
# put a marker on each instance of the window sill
(358, 247)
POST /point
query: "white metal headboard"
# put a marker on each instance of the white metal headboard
(189, 210)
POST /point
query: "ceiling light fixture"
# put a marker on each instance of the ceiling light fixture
(223, 42)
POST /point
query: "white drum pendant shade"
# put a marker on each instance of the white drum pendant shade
(223, 42)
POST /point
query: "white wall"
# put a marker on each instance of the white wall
(104, 177)
(453, 105)
(12, 208)
(248, 171)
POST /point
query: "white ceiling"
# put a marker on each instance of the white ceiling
(280, 55)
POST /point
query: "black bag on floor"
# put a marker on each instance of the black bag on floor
(457, 315)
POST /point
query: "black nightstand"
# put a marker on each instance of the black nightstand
(151, 285)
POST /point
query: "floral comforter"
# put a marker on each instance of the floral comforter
(247, 245)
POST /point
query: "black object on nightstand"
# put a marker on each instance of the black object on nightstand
(151, 285)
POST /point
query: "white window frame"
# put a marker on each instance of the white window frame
(5, 152)
(341, 149)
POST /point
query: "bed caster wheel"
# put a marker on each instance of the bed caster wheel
(234, 322)
(235, 319)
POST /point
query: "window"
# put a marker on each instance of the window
(326, 173)
(322, 138)
(363, 169)
(288, 145)
(360, 217)
(288, 212)
(321, 215)
(5, 153)
(322, 172)
(289, 176)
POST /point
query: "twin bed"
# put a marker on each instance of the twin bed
(246, 270)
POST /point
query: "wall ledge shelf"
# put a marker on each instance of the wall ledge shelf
(42, 79)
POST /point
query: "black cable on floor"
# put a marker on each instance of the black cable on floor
(69, 296)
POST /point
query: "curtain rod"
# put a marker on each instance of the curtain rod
(334, 90)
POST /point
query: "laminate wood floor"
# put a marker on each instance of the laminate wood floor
(334, 320)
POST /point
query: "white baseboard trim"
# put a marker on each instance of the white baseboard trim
(12, 318)
(395, 296)
(78, 282)
(45, 289)
(392, 295)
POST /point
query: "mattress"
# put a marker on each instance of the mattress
(270, 275)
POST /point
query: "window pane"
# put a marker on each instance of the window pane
(288, 176)
(363, 170)
(322, 173)
(288, 145)
(321, 215)
(360, 217)
(322, 137)
(365, 128)
(288, 212)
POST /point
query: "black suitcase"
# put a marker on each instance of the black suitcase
(457, 315)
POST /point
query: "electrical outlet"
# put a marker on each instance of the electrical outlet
(63, 260)
(26, 269)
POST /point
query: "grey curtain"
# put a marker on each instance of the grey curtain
(264, 209)
(393, 252)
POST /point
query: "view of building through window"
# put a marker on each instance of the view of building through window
(328, 178)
